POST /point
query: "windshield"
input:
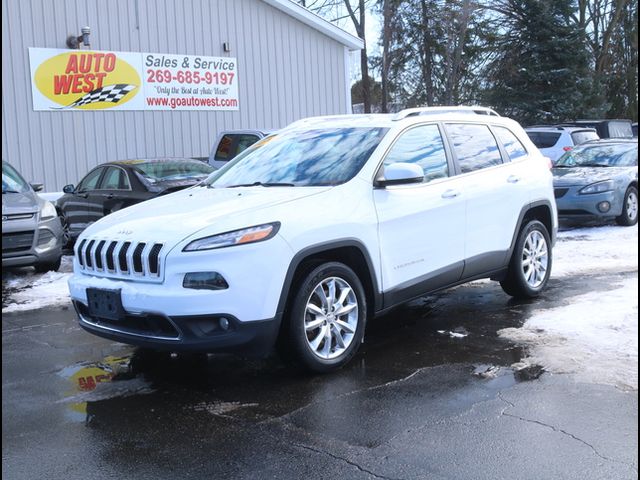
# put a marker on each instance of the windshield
(163, 171)
(12, 182)
(611, 155)
(327, 156)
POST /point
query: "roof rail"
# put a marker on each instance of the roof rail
(475, 110)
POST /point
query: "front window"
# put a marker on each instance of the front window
(12, 182)
(600, 156)
(327, 156)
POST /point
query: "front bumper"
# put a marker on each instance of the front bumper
(45, 242)
(196, 333)
(572, 204)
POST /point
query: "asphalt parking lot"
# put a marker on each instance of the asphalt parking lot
(436, 392)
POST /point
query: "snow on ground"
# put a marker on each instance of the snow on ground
(595, 250)
(596, 336)
(27, 290)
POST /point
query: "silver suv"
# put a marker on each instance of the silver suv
(553, 142)
(31, 229)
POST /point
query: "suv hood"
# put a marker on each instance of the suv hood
(15, 203)
(585, 175)
(178, 215)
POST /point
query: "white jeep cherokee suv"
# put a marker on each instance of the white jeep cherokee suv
(308, 233)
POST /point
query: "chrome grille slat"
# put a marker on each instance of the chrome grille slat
(121, 259)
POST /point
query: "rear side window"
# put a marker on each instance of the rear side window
(620, 129)
(115, 179)
(511, 144)
(475, 147)
(544, 139)
(232, 144)
(423, 146)
(583, 136)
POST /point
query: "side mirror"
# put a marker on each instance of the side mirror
(400, 174)
(37, 187)
(69, 188)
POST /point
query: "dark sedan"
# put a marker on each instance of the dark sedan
(116, 185)
(598, 179)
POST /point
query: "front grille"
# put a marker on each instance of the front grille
(17, 242)
(119, 259)
(560, 192)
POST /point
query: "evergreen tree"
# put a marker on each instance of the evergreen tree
(541, 72)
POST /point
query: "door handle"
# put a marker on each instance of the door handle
(450, 194)
(513, 179)
(110, 196)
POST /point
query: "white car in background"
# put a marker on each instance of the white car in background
(553, 142)
(305, 237)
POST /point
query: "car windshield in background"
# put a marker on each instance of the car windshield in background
(165, 171)
(328, 156)
(544, 139)
(612, 155)
(12, 182)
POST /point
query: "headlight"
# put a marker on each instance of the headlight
(258, 233)
(599, 187)
(48, 211)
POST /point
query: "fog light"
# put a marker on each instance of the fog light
(205, 281)
(604, 207)
(224, 323)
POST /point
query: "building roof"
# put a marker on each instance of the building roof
(315, 21)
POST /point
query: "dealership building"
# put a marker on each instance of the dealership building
(158, 78)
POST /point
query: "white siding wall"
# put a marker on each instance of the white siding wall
(286, 71)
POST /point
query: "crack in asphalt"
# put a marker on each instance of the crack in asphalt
(349, 462)
(559, 430)
(346, 394)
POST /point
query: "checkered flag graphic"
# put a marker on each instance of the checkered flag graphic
(110, 93)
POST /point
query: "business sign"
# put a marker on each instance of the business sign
(72, 80)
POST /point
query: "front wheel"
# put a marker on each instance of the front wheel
(325, 324)
(44, 267)
(629, 215)
(530, 264)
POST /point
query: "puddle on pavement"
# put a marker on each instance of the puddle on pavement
(89, 382)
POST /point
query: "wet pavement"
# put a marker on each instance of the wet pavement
(431, 394)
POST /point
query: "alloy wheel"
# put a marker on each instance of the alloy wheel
(331, 318)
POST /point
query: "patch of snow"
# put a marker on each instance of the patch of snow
(595, 338)
(595, 250)
(221, 408)
(29, 290)
(453, 334)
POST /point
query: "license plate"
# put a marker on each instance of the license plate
(105, 304)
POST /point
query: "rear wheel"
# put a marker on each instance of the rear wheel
(530, 265)
(325, 324)
(629, 215)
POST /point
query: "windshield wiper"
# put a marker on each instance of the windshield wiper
(262, 184)
(593, 165)
(9, 191)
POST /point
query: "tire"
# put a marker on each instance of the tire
(48, 266)
(315, 334)
(629, 215)
(523, 279)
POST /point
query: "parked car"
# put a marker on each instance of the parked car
(113, 186)
(331, 222)
(634, 129)
(230, 143)
(553, 142)
(616, 128)
(31, 229)
(599, 179)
